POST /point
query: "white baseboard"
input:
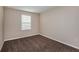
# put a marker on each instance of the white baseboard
(45, 36)
(1, 46)
(60, 41)
(20, 37)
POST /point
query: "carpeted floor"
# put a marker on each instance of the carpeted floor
(36, 43)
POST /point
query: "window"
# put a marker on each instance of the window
(25, 22)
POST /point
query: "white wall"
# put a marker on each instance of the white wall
(1, 27)
(13, 25)
(62, 24)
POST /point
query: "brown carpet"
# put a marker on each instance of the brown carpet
(36, 43)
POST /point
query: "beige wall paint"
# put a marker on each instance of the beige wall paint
(13, 25)
(1, 27)
(62, 24)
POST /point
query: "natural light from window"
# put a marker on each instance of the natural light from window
(25, 22)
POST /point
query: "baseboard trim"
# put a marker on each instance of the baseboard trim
(60, 41)
(44, 36)
(20, 37)
(1, 46)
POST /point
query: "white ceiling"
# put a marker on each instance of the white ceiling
(36, 9)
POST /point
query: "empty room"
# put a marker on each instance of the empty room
(39, 28)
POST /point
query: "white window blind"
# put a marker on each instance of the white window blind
(25, 22)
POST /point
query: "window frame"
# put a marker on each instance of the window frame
(27, 28)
